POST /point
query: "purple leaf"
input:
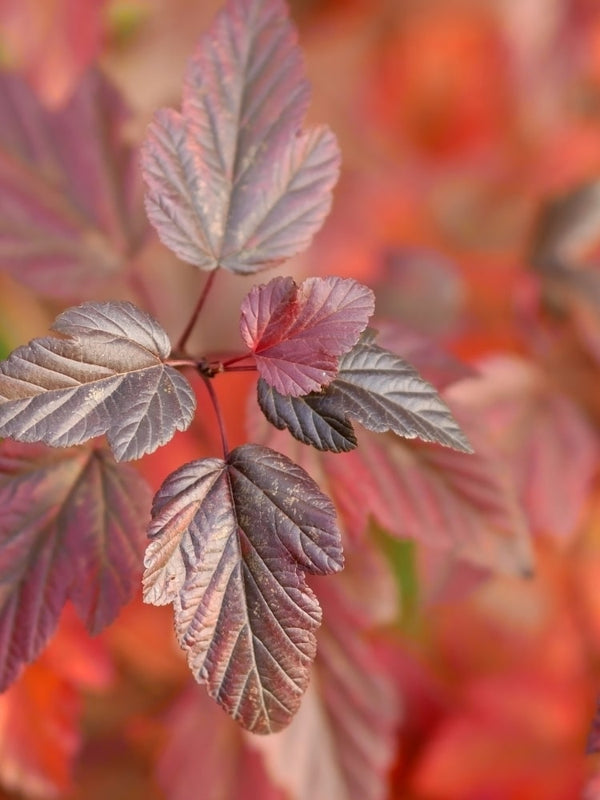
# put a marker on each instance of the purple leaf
(71, 528)
(377, 389)
(70, 198)
(230, 541)
(108, 376)
(317, 419)
(232, 180)
(297, 333)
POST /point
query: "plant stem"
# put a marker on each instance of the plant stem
(241, 368)
(217, 408)
(235, 359)
(196, 312)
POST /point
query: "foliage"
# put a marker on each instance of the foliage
(437, 460)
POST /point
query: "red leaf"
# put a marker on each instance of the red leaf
(40, 715)
(69, 190)
(230, 541)
(71, 527)
(466, 503)
(297, 333)
(245, 96)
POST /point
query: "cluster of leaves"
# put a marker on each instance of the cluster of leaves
(230, 184)
(233, 186)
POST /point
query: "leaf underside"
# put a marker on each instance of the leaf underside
(71, 528)
(107, 376)
(230, 542)
(298, 333)
(244, 100)
(376, 388)
(70, 196)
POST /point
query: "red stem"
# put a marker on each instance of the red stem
(235, 359)
(217, 408)
(196, 312)
(241, 368)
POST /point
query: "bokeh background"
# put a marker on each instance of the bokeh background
(470, 201)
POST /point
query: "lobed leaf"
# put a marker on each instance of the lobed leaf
(230, 541)
(376, 388)
(297, 333)
(71, 528)
(245, 96)
(108, 376)
(70, 201)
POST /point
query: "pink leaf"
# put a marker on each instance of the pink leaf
(537, 430)
(71, 527)
(298, 333)
(232, 180)
(70, 201)
(204, 748)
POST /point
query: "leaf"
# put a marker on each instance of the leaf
(465, 503)
(41, 714)
(70, 201)
(593, 743)
(377, 389)
(297, 333)
(71, 527)
(567, 227)
(108, 376)
(462, 503)
(228, 769)
(316, 419)
(342, 742)
(52, 42)
(230, 541)
(424, 353)
(244, 100)
(537, 430)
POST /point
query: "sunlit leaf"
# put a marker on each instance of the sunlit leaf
(107, 376)
(70, 201)
(232, 180)
(297, 333)
(71, 527)
(375, 388)
(230, 541)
